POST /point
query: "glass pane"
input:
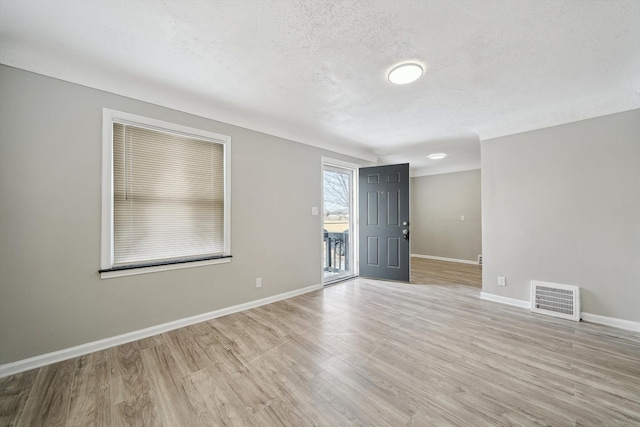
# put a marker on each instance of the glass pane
(337, 248)
(337, 201)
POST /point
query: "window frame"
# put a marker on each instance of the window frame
(109, 116)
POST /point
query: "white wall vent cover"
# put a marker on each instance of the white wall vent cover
(555, 299)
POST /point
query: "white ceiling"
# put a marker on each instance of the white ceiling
(315, 71)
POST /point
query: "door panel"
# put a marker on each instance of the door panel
(393, 208)
(384, 208)
(372, 251)
(393, 245)
(372, 208)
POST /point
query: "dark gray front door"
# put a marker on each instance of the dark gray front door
(384, 222)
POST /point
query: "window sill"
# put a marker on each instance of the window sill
(156, 268)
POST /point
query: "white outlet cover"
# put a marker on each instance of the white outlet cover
(314, 210)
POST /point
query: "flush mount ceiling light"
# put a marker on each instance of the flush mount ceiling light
(405, 73)
(437, 156)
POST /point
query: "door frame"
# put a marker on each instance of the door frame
(353, 236)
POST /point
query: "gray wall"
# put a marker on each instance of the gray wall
(562, 205)
(437, 203)
(51, 296)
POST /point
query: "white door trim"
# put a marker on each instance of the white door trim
(353, 168)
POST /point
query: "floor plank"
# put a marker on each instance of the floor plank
(139, 410)
(14, 392)
(166, 387)
(48, 402)
(128, 375)
(90, 394)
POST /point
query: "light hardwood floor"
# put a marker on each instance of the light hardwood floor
(358, 353)
(436, 272)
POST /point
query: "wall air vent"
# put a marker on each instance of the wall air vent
(555, 299)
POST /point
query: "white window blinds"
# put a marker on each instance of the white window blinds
(168, 196)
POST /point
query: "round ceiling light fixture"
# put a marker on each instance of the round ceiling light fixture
(404, 73)
(437, 156)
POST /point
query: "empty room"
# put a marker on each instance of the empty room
(319, 213)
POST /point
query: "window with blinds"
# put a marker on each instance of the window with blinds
(168, 197)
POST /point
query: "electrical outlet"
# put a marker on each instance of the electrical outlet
(502, 281)
(461, 217)
(258, 282)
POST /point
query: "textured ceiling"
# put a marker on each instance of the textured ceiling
(315, 71)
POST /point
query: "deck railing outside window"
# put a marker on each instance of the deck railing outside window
(336, 247)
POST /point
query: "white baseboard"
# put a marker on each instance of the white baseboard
(614, 322)
(504, 300)
(629, 325)
(80, 350)
(439, 258)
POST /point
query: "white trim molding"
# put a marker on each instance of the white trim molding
(354, 239)
(614, 322)
(80, 350)
(439, 258)
(156, 268)
(629, 325)
(505, 300)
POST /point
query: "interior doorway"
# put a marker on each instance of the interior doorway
(338, 221)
